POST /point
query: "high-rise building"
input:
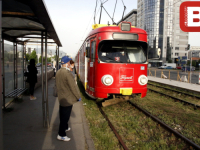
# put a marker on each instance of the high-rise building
(160, 18)
(131, 17)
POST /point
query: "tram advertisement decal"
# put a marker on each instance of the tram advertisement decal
(126, 75)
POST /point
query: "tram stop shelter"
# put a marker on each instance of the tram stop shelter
(21, 22)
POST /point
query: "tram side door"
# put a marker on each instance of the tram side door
(91, 67)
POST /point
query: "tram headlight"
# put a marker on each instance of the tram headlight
(107, 80)
(142, 80)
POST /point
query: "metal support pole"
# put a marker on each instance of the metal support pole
(57, 58)
(16, 68)
(46, 83)
(42, 75)
(23, 65)
(191, 68)
(3, 74)
(1, 120)
(25, 69)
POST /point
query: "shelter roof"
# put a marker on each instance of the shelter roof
(26, 17)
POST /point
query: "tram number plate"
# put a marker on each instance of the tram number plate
(126, 91)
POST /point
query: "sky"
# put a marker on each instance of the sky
(73, 20)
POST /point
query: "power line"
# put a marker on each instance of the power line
(114, 11)
(95, 12)
(89, 24)
(123, 2)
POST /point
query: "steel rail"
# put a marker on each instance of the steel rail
(113, 129)
(174, 90)
(166, 126)
(178, 99)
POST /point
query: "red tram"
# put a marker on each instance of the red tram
(113, 61)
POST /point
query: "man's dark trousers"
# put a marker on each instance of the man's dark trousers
(64, 113)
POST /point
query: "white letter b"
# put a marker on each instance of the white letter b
(193, 17)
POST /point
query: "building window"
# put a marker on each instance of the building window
(185, 54)
(176, 48)
(176, 54)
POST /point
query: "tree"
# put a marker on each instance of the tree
(27, 57)
(188, 62)
(194, 63)
(169, 61)
(40, 60)
(33, 56)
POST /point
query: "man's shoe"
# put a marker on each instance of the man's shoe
(64, 138)
(68, 129)
(32, 98)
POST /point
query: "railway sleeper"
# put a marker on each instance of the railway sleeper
(116, 100)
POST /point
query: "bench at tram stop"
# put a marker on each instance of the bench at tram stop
(16, 93)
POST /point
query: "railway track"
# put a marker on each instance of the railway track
(174, 90)
(171, 130)
(175, 98)
(166, 126)
(113, 128)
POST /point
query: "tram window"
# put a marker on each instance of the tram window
(87, 49)
(122, 52)
(93, 51)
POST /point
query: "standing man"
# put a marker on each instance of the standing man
(68, 94)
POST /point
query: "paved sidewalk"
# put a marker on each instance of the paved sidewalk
(189, 86)
(23, 127)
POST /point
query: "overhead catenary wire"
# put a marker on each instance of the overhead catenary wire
(114, 11)
(108, 14)
(95, 12)
(123, 2)
(89, 24)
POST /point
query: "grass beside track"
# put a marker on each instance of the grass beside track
(137, 130)
(182, 96)
(179, 90)
(140, 132)
(102, 135)
(180, 117)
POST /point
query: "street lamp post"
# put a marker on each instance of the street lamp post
(191, 66)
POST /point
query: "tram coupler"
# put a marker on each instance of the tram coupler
(116, 100)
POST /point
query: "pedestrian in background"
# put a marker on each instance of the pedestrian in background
(72, 67)
(68, 94)
(32, 78)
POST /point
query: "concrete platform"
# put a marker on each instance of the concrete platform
(187, 86)
(23, 127)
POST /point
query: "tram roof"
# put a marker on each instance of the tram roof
(22, 18)
(117, 29)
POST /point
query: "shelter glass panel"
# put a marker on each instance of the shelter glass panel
(9, 69)
(20, 66)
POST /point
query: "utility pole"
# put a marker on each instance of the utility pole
(191, 66)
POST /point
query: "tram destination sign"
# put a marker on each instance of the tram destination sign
(124, 36)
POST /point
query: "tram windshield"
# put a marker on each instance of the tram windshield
(122, 51)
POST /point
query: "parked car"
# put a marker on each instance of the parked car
(179, 67)
(187, 68)
(49, 64)
(173, 65)
(38, 65)
(169, 67)
(161, 67)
